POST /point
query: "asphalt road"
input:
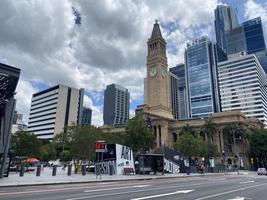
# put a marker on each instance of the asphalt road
(224, 187)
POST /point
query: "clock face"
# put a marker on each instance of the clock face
(153, 71)
(163, 72)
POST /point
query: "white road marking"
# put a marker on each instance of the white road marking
(238, 198)
(247, 182)
(231, 191)
(118, 188)
(163, 195)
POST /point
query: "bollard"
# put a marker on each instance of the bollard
(69, 170)
(21, 170)
(110, 169)
(83, 170)
(38, 171)
(54, 172)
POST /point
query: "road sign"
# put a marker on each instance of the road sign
(100, 146)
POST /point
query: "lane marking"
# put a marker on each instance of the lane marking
(105, 189)
(247, 182)
(231, 191)
(238, 198)
(163, 195)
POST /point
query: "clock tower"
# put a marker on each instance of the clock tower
(157, 83)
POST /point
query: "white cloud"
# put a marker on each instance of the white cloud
(23, 95)
(97, 115)
(39, 36)
(253, 10)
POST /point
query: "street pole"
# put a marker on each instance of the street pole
(236, 153)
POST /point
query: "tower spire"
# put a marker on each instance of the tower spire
(156, 32)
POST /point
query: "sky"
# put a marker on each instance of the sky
(90, 44)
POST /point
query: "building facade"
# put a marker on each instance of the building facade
(242, 83)
(201, 74)
(86, 116)
(179, 98)
(225, 20)
(54, 109)
(116, 105)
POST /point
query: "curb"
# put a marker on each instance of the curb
(118, 180)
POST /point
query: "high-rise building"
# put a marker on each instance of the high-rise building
(86, 116)
(255, 41)
(202, 83)
(225, 20)
(157, 83)
(54, 109)
(116, 105)
(242, 82)
(235, 40)
(174, 95)
(179, 98)
(247, 37)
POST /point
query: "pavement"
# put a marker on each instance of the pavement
(247, 186)
(46, 177)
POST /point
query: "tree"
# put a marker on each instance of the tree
(186, 130)
(83, 142)
(209, 130)
(191, 146)
(25, 144)
(138, 136)
(258, 144)
(48, 152)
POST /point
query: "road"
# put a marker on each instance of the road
(224, 187)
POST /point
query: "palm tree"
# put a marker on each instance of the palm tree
(209, 130)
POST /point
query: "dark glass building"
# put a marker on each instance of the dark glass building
(179, 99)
(225, 20)
(116, 105)
(255, 42)
(86, 116)
(202, 78)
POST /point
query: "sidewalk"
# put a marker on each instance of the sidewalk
(46, 177)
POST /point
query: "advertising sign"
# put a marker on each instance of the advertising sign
(100, 146)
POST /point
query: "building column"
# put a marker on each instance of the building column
(156, 135)
(159, 136)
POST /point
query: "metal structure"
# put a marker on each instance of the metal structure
(9, 77)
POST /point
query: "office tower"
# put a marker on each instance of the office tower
(116, 105)
(179, 98)
(54, 109)
(235, 40)
(225, 20)
(255, 41)
(9, 77)
(174, 95)
(86, 116)
(242, 84)
(247, 38)
(201, 79)
(18, 124)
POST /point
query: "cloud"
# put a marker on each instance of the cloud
(97, 115)
(109, 46)
(24, 93)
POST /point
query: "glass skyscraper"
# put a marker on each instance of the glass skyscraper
(255, 42)
(202, 78)
(116, 105)
(225, 20)
(179, 92)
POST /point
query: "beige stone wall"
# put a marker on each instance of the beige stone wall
(61, 109)
(74, 106)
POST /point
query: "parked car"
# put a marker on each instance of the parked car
(262, 171)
